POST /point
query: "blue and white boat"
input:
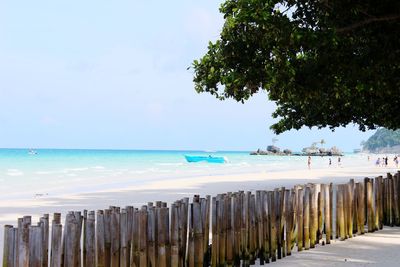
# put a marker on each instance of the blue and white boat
(210, 159)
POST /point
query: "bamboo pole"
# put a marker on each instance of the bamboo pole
(300, 220)
(370, 212)
(143, 237)
(327, 213)
(45, 239)
(163, 226)
(23, 240)
(306, 218)
(107, 237)
(8, 246)
(174, 235)
(35, 246)
(313, 215)
(151, 233)
(214, 229)
(273, 224)
(115, 237)
(197, 234)
(321, 200)
(56, 245)
(89, 245)
(266, 226)
(340, 220)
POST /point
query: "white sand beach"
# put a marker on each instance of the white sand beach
(172, 190)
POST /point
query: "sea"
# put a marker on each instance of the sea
(57, 172)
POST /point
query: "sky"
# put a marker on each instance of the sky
(113, 74)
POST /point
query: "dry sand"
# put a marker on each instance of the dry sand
(381, 248)
(172, 190)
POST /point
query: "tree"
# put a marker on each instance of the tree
(324, 63)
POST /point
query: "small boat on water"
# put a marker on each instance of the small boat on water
(210, 159)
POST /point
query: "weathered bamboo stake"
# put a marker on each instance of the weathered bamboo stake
(174, 235)
(115, 236)
(45, 239)
(70, 234)
(360, 208)
(327, 214)
(197, 233)
(107, 237)
(163, 228)
(345, 210)
(23, 240)
(100, 241)
(354, 206)
(221, 222)
(84, 225)
(245, 229)
(313, 215)
(184, 226)
(135, 239)
(289, 221)
(129, 215)
(191, 248)
(214, 230)
(391, 200)
(143, 237)
(260, 223)
(376, 202)
(56, 241)
(237, 225)
(380, 178)
(280, 219)
(229, 229)
(340, 220)
(124, 237)
(8, 246)
(205, 215)
(89, 244)
(273, 224)
(78, 248)
(321, 197)
(151, 235)
(35, 246)
(306, 218)
(396, 200)
(331, 208)
(300, 220)
(252, 230)
(370, 212)
(266, 226)
(349, 209)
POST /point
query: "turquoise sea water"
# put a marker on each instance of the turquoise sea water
(62, 171)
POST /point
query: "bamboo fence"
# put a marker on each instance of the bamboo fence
(232, 229)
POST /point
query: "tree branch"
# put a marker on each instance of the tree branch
(368, 21)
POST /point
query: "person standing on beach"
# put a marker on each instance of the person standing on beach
(309, 162)
(378, 162)
(339, 161)
(330, 162)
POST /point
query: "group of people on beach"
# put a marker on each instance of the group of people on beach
(385, 161)
(339, 160)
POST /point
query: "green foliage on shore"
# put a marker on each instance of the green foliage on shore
(382, 139)
(324, 63)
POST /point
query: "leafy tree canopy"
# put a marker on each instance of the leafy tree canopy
(382, 139)
(324, 63)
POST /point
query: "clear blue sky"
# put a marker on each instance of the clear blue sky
(112, 74)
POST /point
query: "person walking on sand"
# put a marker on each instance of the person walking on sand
(378, 162)
(339, 161)
(309, 162)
